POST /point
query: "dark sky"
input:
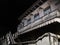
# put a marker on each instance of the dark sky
(9, 13)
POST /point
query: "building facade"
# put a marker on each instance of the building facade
(41, 18)
(40, 25)
(47, 12)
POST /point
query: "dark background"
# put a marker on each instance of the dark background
(9, 13)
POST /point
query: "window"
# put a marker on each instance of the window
(47, 10)
(29, 21)
(36, 16)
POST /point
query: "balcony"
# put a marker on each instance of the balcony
(45, 20)
(45, 39)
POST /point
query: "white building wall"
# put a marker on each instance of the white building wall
(41, 13)
(39, 42)
(59, 43)
(53, 6)
(44, 5)
(25, 22)
(45, 41)
(32, 18)
(54, 41)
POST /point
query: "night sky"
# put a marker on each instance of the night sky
(9, 13)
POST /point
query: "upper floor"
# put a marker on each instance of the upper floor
(45, 12)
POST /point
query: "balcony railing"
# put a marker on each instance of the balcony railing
(50, 16)
(47, 38)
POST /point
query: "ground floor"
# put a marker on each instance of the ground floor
(46, 35)
(45, 39)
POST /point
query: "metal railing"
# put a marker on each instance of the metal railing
(49, 35)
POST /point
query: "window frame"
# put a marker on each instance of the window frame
(46, 10)
(28, 21)
(36, 16)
